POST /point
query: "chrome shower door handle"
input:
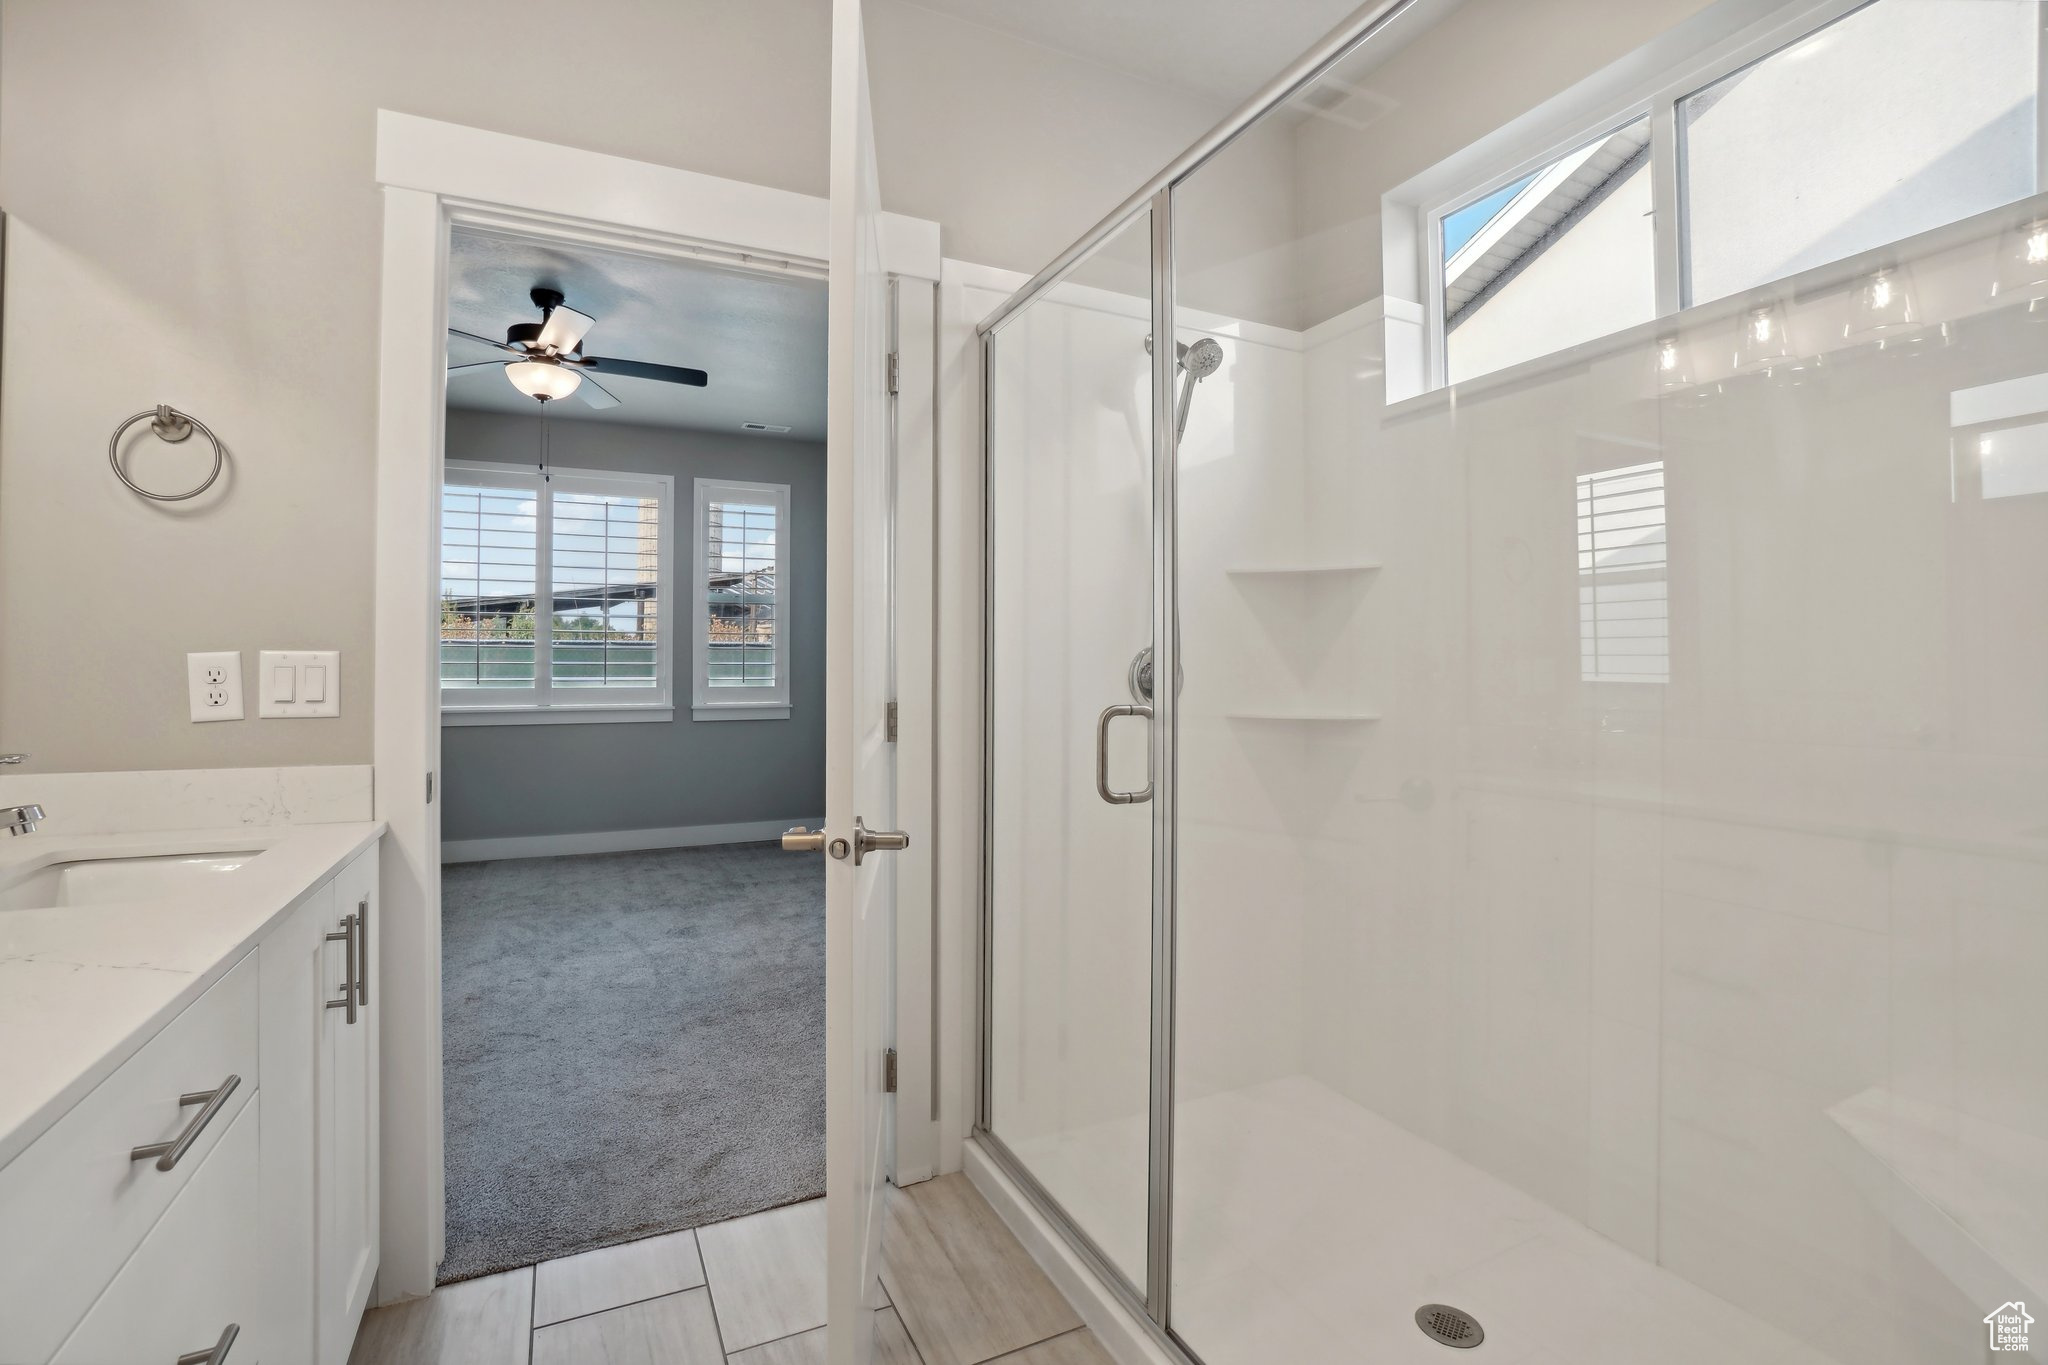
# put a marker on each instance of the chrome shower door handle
(1102, 788)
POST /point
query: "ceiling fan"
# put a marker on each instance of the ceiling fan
(549, 362)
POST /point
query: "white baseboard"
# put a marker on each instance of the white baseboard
(1122, 1334)
(618, 840)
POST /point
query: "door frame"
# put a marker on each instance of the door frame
(434, 175)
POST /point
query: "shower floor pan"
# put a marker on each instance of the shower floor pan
(1311, 1230)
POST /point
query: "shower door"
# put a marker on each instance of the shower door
(1068, 898)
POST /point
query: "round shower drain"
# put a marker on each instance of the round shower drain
(1451, 1326)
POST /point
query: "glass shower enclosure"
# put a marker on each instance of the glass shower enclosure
(1516, 775)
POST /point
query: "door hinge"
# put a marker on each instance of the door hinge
(890, 721)
(430, 789)
(895, 372)
(889, 1071)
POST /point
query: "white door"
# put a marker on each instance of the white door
(860, 771)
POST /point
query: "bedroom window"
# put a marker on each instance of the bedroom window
(740, 649)
(553, 593)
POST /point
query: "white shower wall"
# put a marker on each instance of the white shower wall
(1071, 569)
(1718, 994)
(1732, 968)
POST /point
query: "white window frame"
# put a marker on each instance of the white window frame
(1648, 83)
(543, 703)
(737, 703)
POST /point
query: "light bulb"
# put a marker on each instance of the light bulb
(1883, 308)
(1762, 346)
(2022, 264)
(1674, 364)
(543, 379)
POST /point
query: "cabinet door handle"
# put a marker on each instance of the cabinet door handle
(348, 984)
(169, 1154)
(217, 1354)
(363, 952)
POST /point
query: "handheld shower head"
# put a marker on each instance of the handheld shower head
(1196, 363)
(1202, 359)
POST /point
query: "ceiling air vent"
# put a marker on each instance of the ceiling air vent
(765, 427)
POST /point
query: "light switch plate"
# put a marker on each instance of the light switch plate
(297, 683)
(215, 684)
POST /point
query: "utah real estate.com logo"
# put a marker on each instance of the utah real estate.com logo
(2006, 1325)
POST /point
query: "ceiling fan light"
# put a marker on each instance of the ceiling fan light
(542, 379)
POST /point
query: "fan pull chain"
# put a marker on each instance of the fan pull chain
(545, 476)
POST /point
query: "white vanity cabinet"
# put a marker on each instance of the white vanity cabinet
(195, 1280)
(320, 1148)
(346, 1254)
(248, 1230)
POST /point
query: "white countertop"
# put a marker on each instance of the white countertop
(82, 988)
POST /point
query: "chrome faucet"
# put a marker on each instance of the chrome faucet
(20, 819)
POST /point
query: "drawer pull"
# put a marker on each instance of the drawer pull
(349, 991)
(217, 1354)
(169, 1154)
(363, 952)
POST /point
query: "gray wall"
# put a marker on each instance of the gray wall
(194, 219)
(502, 781)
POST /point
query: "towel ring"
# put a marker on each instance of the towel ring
(169, 425)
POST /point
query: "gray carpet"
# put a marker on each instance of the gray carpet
(633, 1043)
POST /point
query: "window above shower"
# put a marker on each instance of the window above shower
(1688, 173)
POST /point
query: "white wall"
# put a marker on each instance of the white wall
(1636, 949)
(193, 219)
(1072, 572)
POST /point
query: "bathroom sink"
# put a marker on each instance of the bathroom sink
(98, 881)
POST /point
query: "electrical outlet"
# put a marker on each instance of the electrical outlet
(294, 683)
(215, 684)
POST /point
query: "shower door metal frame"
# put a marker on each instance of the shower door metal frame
(1152, 1304)
(1138, 1298)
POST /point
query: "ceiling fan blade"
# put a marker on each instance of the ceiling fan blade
(563, 331)
(478, 365)
(596, 394)
(493, 344)
(640, 369)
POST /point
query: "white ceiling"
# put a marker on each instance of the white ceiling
(760, 337)
(1224, 48)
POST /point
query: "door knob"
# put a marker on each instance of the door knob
(866, 841)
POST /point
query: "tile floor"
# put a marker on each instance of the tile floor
(957, 1289)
